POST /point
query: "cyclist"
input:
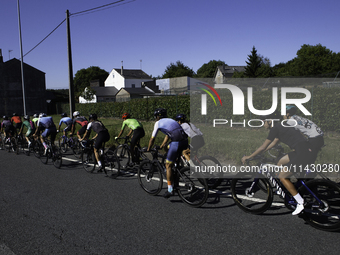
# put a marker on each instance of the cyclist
(306, 127)
(47, 128)
(302, 154)
(30, 128)
(67, 121)
(179, 142)
(16, 121)
(101, 137)
(35, 118)
(8, 128)
(138, 132)
(82, 121)
(196, 136)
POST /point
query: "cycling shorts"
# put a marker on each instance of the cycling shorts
(82, 130)
(302, 156)
(52, 132)
(29, 132)
(102, 138)
(68, 128)
(176, 149)
(138, 133)
(196, 142)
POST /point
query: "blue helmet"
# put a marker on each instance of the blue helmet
(291, 109)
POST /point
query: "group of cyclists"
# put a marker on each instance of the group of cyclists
(304, 151)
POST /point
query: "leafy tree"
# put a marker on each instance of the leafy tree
(314, 60)
(84, 76)
(208, 70)
(178, 70)
(253, 64)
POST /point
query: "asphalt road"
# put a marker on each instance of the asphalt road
(44, 210)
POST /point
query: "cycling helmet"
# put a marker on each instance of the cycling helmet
(126, 116)
(180, 117)
(93, 116)
(36, 115)
(76, 113)
(161, 112)
(5, 117)
(26, 117)
(42, 115)
(291, 109)
(63, 115)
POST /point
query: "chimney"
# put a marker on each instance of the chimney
(121, 71)
(1, 58)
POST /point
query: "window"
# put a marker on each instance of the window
(133, 86)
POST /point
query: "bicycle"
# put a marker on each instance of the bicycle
(10, 143)
(53, 152)
(110, 162)
(254, 193)
(192, 191)
(70, 142)
(205, 162)
(124, 155)
(22, 144)
(2, 142)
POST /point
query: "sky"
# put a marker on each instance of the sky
(151, 34)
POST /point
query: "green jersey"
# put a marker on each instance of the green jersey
(132, 123)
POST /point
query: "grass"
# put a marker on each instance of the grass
(229, 144)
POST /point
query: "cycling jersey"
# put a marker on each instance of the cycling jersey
(132, 124)
(35, 120)
(6, 123)
(66, 120)
(97, 126)
(81, 120)
(302, 154)
(45, 122)
(191, 130)
(305, 126)
(170, 128)
(28, 125)
(16, 119)
(179, 139)
(103, 133)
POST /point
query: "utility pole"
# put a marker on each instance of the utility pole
(70, 69)
(22, 62)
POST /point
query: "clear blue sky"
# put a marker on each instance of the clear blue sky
(159, 32)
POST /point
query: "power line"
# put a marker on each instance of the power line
(45, 37)
(99, 8)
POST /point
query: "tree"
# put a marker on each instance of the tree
(88, 94)
(314, 60)
(253, 64)
(84, 76)
(208, 70)
(178, 70)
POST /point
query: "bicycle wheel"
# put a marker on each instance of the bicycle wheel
(252, 194)
(2, 142)
(124, 156)
(42, 155)
(207, 161)
(36, 148)
(112, 166)
(326, 216)
(193, 191)
(150, 177)
(76, 148)
(57, 157)
(62, 144)
(89, 160)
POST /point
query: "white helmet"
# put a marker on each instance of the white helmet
(76, 113)
(42, 115)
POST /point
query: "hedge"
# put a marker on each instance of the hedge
(324, 106)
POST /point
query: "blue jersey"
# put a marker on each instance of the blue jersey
(46, 122)
(170, 128)
(67, 120)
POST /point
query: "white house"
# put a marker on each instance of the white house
(126, 78)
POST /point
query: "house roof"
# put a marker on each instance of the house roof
(133, 73)
(105, 91)
(231, 69)
(10, 63)
(138, 91)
